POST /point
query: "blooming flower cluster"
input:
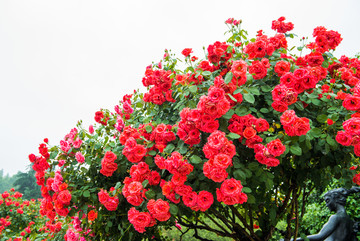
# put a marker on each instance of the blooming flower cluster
(110, 203)
(351, 134)
(325, 39)
(108, 164)
(161, 91)
(133, 189)
(265, 46)
(280, 26)
(101, 118)
(134, 152)
(218, 52)
(17, 216)
(161, 135)
(266, 155)
(230, 192)
(220, 151)
(71, 140)
(293, 125)
(248, 127)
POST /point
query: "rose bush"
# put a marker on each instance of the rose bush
(20, 219)
(241, 137)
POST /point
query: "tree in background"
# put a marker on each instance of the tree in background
(25, 182)
(6, 182)
(240, 138)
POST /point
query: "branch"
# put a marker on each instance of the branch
(233, 209)
(214, 221)
(196, 226)
(296, 215)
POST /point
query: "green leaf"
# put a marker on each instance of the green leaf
(86, 193)
(152, 153)
(246, 190)
(148, 160)
(53, 154)
(193, 89)
(228, 77)
(240, 175)
(325, 64)
(251, 199)
(254, 90)
(229, 114)
(237, 91)
(169, 148)
(322, 118)
(266, 88)
(233, 135)
(316, 102)
(174, 209)
(299, 105)
(206, 73)
(315, 132)
(264, 110)
(330, 141)
(296, 150)
(241, 110)
(109, 224)
(150, 194)
(253, 166)
(118, 185)
(249, 98)
(272, 214)
(145, 183)
(195, 159)
(148, 129)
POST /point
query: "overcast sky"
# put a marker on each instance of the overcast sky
(61, 61)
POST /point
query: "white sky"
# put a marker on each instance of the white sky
(61, 61)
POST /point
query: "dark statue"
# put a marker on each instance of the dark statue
(339, 227)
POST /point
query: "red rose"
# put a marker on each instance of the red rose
(222, 161)
(239, 68)
(205, 200)
(92, 215)
(216, 94)
(64, 197)
(249, 132)
(352, 102)
(190, 199)
(231, 187)
(343, 138)
(356, 179)
(282, 67)
(112, 203)
(276, 148)
(288, 117)
(301, 126)
(108, 167)
(186, 52)
(110, 156)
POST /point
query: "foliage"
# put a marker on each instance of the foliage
(25, 182)
(19, 219)
(6, 182)
(240, 139)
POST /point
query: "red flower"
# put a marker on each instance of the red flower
(282, 67)
(280, 26)
(356, 179)
(276, 148)
(92, 215)
(186, 52)
(330, 122)
(205, 200)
